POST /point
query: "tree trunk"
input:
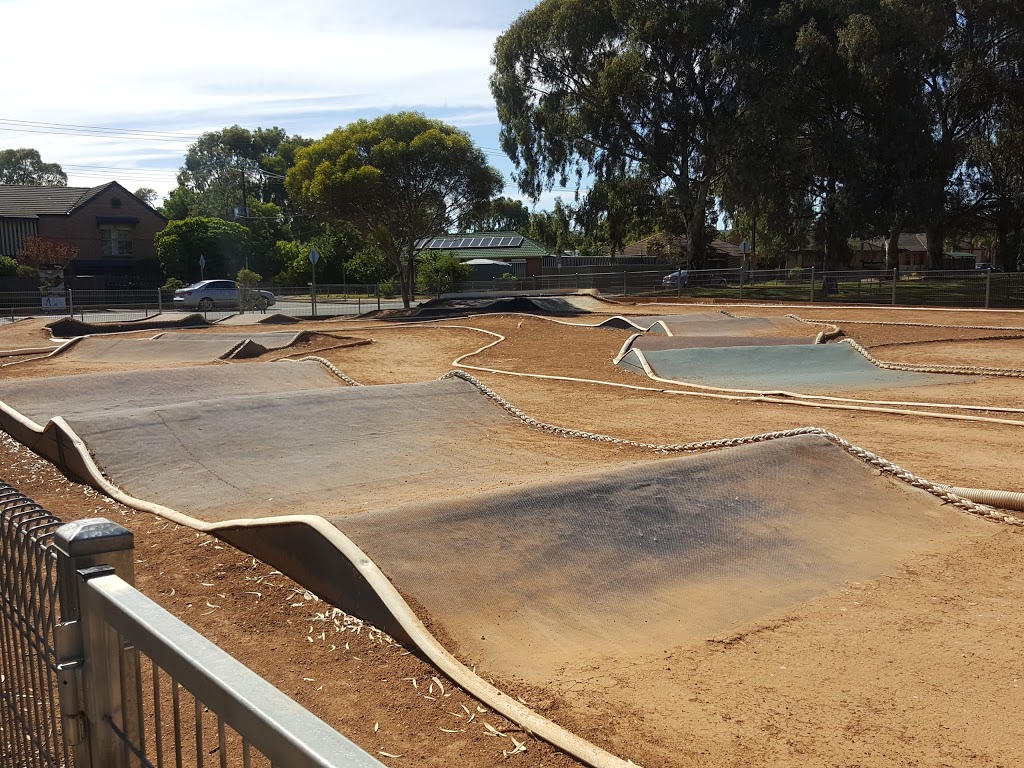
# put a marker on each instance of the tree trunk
(695, 245)
(935, 232)
(892, 242)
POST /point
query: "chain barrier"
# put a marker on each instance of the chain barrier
(331, 367)
(870, 458)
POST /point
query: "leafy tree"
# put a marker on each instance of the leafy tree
(248, 289)
(504, 214)
(622, 90)
(25, 166)
(8, 266)
(181, 203)
(397, 179)
(148, 195)
(47, 253)
(226, 167)
(370, 267)
(439, 272)
(224, 244)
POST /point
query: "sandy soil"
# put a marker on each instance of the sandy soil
(919, 667)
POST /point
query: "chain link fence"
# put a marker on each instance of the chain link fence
(138, 304)
(937, 288)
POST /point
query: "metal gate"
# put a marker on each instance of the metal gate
(93, 674)
(29, 708)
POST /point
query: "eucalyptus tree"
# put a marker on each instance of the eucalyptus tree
(621, 91)
(397, 179)
(26, 166)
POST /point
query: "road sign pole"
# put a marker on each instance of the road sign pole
(314, 257)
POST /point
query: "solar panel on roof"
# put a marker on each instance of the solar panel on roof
(436, 242)
(464, 242)
(475, 242)
(486, 242)
(517, 241)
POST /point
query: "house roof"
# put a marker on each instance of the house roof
(501, 246)
(909, 242)
(22, 201)
(678, 245)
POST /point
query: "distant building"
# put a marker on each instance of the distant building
(112, 228)
(525, 256)
(671, 249)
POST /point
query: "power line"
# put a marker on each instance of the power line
(32, 126)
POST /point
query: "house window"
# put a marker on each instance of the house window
(116, 239)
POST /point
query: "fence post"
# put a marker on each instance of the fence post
(625, 278)
(577, 281)
(895, 275)
(71, 303)
(988, 287)
(812, 285)
(159, 300)
(99, 681)
(376, 290)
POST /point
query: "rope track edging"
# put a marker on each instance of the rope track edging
(884, 465)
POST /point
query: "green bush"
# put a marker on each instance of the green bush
(172, 284)
(8, 267)
(248, 289)
(439, 272)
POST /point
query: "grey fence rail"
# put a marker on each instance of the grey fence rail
(939, 288)
(136, 304)
(96, 675)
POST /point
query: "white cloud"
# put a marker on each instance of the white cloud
(307, 66)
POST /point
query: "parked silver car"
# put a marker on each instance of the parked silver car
(218, 294)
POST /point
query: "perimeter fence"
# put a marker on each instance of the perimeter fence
(96, 675)
(970, 289)
(117, 305)
(935, 288)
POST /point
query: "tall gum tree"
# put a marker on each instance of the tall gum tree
(622, 90)
(25, 166)
(397, 179)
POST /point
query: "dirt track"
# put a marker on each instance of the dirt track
(919, 667)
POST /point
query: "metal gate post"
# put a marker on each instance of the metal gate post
(988, 287)
(99, 680)
(895, 275)
(71, 303)
(812, 285)
(159, 300)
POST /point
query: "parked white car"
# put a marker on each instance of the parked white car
(218, 294)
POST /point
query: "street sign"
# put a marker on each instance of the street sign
(314, 256)
(744, 247)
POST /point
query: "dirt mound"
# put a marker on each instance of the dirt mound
(68, 327)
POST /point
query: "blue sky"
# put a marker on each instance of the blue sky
(170, 72)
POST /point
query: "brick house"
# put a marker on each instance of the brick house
(112, 228)
(670, 249)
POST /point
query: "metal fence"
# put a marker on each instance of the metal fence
(137, 304)
(937, 288)
(32, 734)
(96, 675)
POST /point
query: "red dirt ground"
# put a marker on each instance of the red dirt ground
(921, 667)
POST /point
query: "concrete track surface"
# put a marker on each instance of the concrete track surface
(809, 368)
(179, 347)
(539, 582)
(220, 442)
(533, 580)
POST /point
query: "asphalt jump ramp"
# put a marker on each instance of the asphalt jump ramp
(179, 347)
(538, 581)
